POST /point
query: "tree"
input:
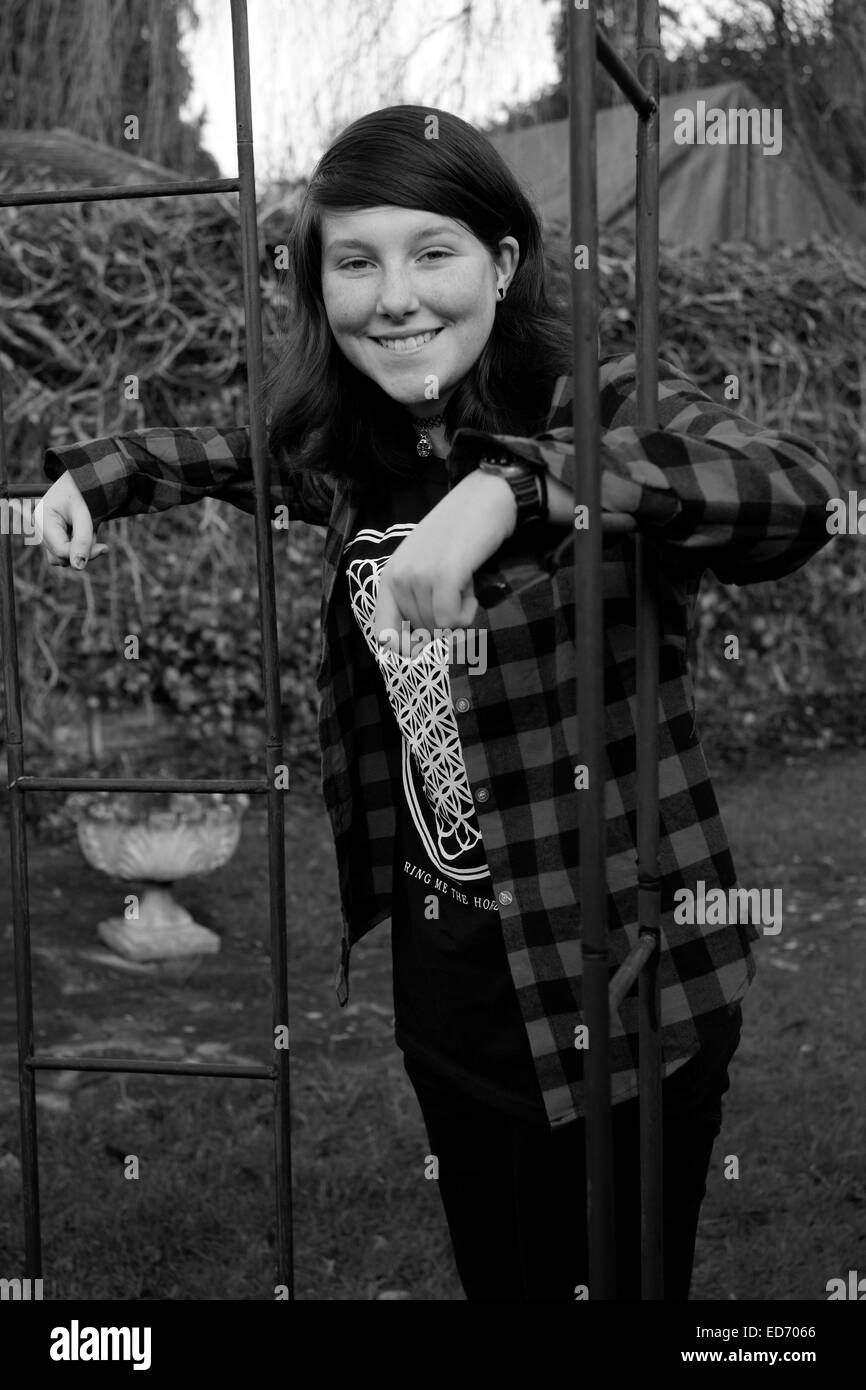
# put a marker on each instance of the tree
(618, 19)
(805, 57)
(89, 66)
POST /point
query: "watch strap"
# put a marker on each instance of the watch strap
(528, 485)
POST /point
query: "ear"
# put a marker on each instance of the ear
(508, 259)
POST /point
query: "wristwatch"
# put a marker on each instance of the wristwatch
(529, 488)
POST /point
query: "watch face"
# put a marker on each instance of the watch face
(506, 470)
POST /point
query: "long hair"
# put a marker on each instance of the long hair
(327, 415)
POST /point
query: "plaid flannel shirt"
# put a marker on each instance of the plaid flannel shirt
(711, 490)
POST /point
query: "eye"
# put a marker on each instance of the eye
(353, 264)
(437, 251)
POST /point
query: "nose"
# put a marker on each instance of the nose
(397, 296)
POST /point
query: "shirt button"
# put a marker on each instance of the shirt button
(482, 795)
(461, 705)
(505, 899)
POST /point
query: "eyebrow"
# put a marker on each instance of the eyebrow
(434, 229)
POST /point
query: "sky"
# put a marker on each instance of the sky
(317, 67)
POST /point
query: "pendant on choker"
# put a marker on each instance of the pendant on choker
(424, 445)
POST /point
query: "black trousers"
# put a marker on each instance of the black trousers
(514, 1192)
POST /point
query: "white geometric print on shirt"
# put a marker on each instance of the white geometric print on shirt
(419, 691)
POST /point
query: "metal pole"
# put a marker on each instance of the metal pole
(20, 889)
(589, 648)
(648, 638)
(270, 656)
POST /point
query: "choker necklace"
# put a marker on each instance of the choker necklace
(425, 444)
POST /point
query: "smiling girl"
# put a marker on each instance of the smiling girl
(421, 411)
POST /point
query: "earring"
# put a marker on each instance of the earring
(500, 290)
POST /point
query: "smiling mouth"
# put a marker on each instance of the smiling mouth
(400, 347)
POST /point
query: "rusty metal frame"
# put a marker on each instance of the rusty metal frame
(602, 994)
(19, 783)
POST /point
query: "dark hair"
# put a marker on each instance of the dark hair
(324, 413)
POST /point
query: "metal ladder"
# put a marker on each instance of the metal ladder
(601, 995)
(19, 783)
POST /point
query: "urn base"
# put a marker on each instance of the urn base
(163, 930)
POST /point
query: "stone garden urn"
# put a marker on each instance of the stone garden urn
(156, 838)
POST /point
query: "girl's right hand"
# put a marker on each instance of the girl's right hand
(64, 525)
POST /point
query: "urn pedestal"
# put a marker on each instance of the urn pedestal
(127, 839)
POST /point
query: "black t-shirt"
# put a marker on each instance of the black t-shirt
(454, 1000)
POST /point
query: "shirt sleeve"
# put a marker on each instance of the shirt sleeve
(710, 488)
(154, 469)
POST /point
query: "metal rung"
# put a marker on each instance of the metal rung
(642, 101)
(114, 192)
(49, 1062)
(631, 968)
(139, 784)
(24, 489)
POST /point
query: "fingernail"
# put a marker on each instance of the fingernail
(79, 561)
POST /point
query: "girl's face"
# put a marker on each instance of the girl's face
(410, 298)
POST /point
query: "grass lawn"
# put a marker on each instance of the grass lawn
(197, 1223)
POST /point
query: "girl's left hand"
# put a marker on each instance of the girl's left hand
(427, 583)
